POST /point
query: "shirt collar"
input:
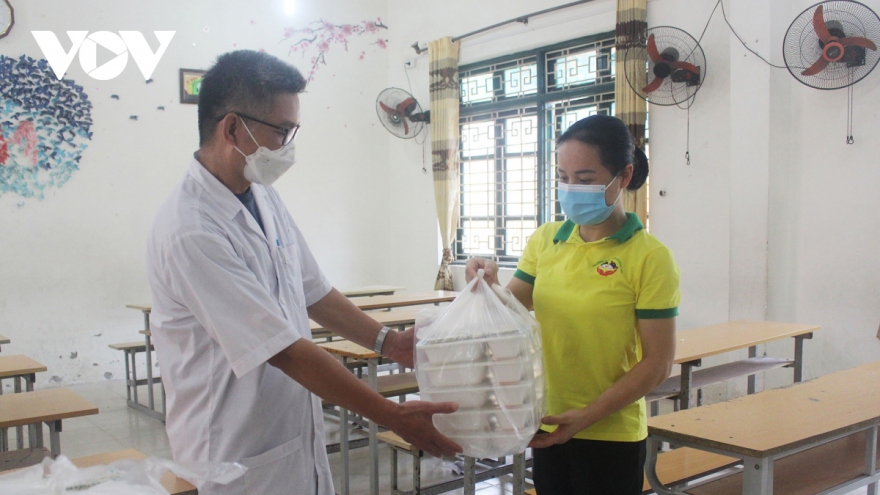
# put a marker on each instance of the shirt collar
(623, 234)
(226, 201)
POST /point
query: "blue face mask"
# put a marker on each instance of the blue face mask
(585, 204)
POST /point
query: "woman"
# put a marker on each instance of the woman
(606, 294)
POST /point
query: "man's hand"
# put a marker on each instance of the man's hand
(399, 347)
(413, 423)
(489, 266)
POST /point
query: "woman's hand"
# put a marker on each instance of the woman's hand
(568, 423)
(489, 266)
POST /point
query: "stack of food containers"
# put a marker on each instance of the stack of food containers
(484, 353)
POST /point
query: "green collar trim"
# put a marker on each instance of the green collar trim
(625, 233)
(564, 232)
(629, 229)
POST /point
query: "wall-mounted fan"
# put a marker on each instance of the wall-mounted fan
(833, 44)
(668, 67)
(400, 113)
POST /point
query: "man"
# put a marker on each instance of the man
(234, 285)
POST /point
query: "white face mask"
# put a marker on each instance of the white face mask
(265, 166)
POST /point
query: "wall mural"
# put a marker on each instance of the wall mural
(321, 35)
(44, 127)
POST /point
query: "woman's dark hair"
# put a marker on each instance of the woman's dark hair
(244, 81)
(615, 144)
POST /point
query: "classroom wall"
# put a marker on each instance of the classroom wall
(773, 219)
(72, 261)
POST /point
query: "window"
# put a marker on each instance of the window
(512, 109)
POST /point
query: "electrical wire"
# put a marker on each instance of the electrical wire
(726, 21)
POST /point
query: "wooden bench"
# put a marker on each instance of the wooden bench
(808, 472)
(372, 290)
(393, 385)
(49, 406)
(785, 430)
(131, 349)
(22, 458)
(172, 483)
(400, 300)
(468, 480)
(682, 465)
(18, 368)
(671, 388)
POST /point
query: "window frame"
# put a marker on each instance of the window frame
(530, 104)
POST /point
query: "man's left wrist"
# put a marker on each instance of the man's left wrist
(383, 336)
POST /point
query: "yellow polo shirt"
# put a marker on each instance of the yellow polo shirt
(588, 297)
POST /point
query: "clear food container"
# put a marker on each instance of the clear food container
(483, 352)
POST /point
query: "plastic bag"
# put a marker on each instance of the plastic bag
(123, 477)
(484, 352)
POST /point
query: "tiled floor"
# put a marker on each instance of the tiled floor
(118, 427)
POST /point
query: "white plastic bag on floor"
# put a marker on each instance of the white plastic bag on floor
(124, 477)
(484, 352)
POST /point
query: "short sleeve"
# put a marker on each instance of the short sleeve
(204, 272)
(658, 296)
(527, 268)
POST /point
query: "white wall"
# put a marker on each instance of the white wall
(74, 260)
(773, 194)
(775, 217)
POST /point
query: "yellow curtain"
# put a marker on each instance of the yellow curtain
(632, 22)
(443, 77)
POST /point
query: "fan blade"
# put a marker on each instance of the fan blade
(405, 103)
(816, 68)
(686, 66)
(388, 110)
(656, 83)
(856, 41)
(819, 25)
(405, 127)
(652, 50)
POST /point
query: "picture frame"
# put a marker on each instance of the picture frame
(190, 83)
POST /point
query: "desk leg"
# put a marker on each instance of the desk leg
(871, 458)
(799, 356)
(35, 435)
(149, 353)
(753, 352)
(519, 473)
(134, 376)
(343, 440)
(687, 370)
(470, 476)
(652, 449)
(758, 476)
(372, 370)
(54, 437)
(19, 430)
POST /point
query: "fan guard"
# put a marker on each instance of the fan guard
(802, 47)
(400, 113)
(678, 86)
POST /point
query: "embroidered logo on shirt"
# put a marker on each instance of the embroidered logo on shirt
(607, 267)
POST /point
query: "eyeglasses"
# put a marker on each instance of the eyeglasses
(289, 132)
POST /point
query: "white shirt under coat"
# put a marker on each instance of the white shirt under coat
(226, 298)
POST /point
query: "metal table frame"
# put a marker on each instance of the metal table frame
(29, 379)
(758, 471)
